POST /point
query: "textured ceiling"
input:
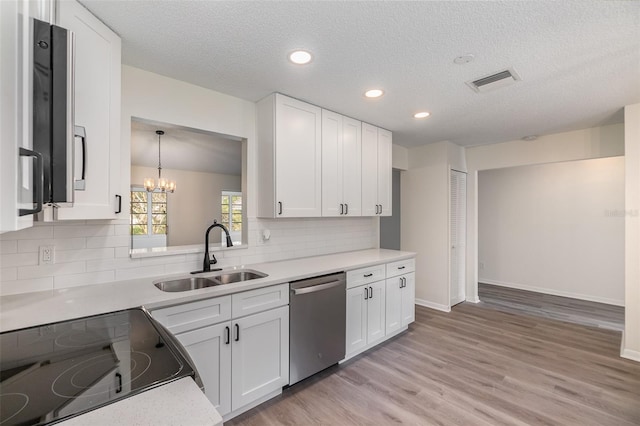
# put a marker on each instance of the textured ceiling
(184, 149)
(579, 60)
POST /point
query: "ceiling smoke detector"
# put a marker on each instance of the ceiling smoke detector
(494, 81)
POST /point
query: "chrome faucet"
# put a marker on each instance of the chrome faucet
(206, 265)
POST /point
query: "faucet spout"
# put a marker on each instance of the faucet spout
(206, 264)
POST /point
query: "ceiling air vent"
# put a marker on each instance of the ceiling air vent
(494, 81)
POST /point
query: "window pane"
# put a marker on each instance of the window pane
(224, 199)
(159, 219)
(158, 208)
(237, 217)
(139, 219)
(138, 197)
(225, 208)
(237, 199)
(139, 229)
(236, 226)
(159, 197)
(225, 218)
(138, 207)
(159, 229)
(236, 209)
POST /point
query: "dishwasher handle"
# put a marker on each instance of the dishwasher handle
(315, 288)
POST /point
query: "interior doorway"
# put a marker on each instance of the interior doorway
(390, 225)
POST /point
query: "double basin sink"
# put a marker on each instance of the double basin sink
(194, 283)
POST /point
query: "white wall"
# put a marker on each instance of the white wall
(631, 341)
(554, 228)
(599, 142)
(195, 189)
(91, 252)
(425, 218)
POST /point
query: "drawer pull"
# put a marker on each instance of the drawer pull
(401, 267)
(368, 275)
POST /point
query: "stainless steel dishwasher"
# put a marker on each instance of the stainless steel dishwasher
(317, 324)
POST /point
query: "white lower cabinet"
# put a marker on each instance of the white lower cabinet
(243, 360)
(365, 316)
(400, 302)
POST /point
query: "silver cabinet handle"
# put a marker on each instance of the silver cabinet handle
(38, 176)
(79, 132)
(315, 288)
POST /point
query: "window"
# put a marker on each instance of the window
(148, 213)
(231, 208)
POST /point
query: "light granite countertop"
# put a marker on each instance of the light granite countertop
(43, 307)
(177, 403)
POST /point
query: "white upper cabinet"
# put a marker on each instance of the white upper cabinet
(289, 152)
(376, 171)
(341, 165)
(17, 162)
(97, 110)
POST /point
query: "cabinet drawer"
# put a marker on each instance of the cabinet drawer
(365, 275)
(400, 267)
(190, 316)
(250, 302)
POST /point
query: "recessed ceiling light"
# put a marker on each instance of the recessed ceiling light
(374, 93)
(423, 114)
(300, 57)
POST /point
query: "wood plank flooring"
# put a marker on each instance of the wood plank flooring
(472, 366)
(555, 307)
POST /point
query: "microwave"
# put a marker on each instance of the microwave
(54, 130)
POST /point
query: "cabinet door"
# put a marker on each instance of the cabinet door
(356, 319)
(352, 166)
(408, 296)
(260, 355)
(376, 313)
(16, 178)
(298, 152)
(210, 349)
(97, 109)
(369, 170)
(384, 170)
(393, 303)
(332, 159)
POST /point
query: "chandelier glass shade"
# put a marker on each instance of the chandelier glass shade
(162, 184)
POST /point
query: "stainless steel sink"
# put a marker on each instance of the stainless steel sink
(237, 276)
(186, 284)
(194, 283)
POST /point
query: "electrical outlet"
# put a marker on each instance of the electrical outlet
(47, 255)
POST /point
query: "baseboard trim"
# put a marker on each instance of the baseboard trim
(474, 300)
(630, 354)
(554, 292)
(432, 305)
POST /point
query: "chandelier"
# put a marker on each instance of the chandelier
(164, 185)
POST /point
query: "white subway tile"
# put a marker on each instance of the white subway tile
(8, 274)
(82, 231)
(111, 264)
(131, 273)
(25, 286)
(34, 233)
(111, 241)
(18, 259)
(28, 272)
(63, 256)
(8, 246)
(28, 246)
(122, 252)
(108, 222)
(75, 280)
(122, 229)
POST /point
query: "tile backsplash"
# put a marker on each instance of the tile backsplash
(93, 252)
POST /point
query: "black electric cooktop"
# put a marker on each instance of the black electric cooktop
(55, 371)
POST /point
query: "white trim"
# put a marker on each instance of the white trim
(474, 300)
(432, 305)
(628, 353)
(251, 405)
(554, 292)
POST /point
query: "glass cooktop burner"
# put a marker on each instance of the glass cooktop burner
(52, 372)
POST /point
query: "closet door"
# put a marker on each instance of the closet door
(457, 236)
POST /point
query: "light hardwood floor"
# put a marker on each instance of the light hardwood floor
(555, 307)
(473, 366)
